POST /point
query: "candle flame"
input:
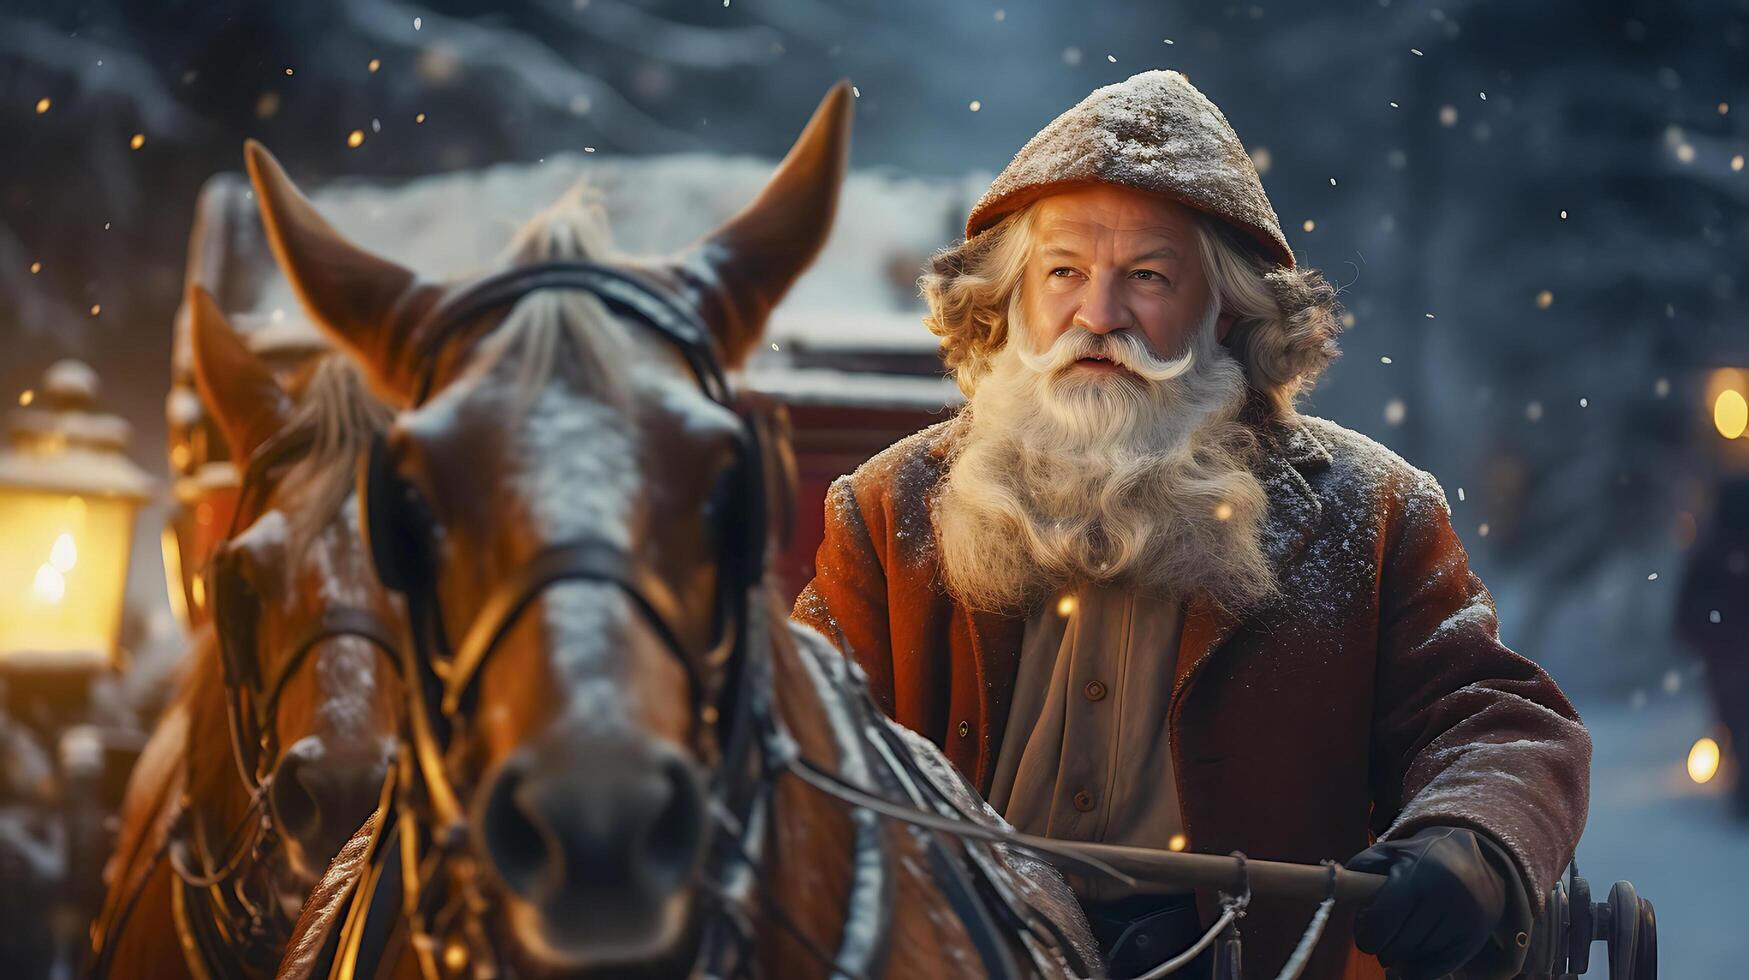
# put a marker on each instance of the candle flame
(65, 554)
(50, 585)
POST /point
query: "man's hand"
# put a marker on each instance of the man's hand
(1441, 901)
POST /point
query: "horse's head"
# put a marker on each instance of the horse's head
(580, 682)
(306, 633)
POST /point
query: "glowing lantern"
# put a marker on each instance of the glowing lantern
(1703, 760)
(1730, 413)
(68, 498)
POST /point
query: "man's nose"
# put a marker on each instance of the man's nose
(1102, 308)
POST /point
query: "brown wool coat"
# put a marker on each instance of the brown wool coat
(1373, 699)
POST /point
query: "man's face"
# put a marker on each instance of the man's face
(1108, 259)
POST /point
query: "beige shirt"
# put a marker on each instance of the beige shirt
(1086, 755)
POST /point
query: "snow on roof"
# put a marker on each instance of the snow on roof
(853, 389)
(861, 292)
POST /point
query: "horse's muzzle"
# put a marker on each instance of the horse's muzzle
(597, 839)
(320, 796)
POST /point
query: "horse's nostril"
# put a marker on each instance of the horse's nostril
(295, 808)
(677, 833)
(514, 841)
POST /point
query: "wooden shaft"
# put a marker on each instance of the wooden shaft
(1159, 872)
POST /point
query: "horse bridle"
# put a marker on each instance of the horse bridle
(723, 675)
(251, 708)
(252, 702)
(731, 685)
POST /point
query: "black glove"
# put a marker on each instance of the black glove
(1443, 897)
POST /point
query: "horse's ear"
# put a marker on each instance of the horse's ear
(759, 253)
(236, 386)
(367, 303)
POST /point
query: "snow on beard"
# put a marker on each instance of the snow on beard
(1138, 478)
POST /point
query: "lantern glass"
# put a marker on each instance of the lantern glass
(62, 575)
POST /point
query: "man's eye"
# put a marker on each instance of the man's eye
(1148, 275)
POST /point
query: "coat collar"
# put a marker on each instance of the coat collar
(1290, 452)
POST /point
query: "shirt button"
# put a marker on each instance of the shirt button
(965, 729)
(1084, 801)
(1094, 690)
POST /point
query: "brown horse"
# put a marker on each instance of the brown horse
(578, 510)
(274, 750)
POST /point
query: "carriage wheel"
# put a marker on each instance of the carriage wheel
(1582, 928)
(1623, 931)
(1646, 963)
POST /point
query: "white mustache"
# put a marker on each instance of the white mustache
(1123, 348)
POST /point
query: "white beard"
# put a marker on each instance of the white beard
(1067, 477)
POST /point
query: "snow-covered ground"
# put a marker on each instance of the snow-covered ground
(1672, 838)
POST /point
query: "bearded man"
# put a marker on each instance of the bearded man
(1138, 598)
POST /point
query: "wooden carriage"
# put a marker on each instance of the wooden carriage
(847, 356)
